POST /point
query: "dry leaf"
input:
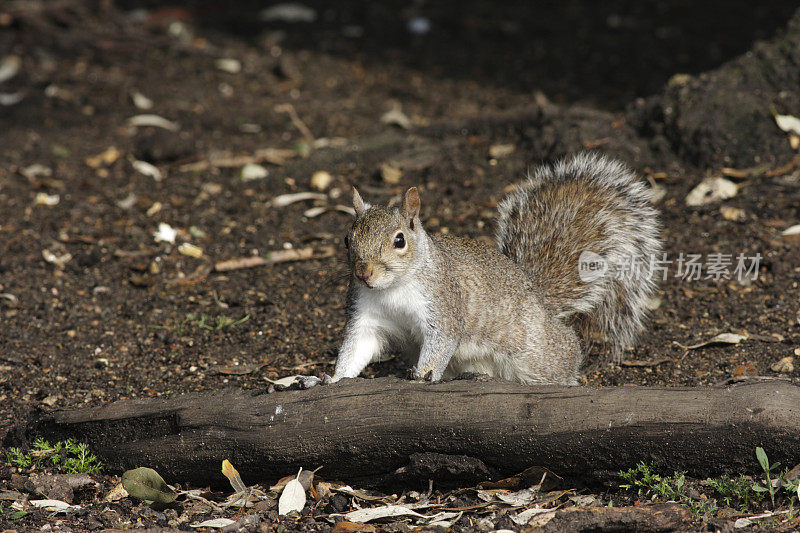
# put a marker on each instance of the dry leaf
(288, 12)
(281, 484)
(9, 99)
(276, 156)
(36, 170)
(315, 211)
(351, 527)
(518, 498)
(711, 190)
(293, 497)
(793, 231)
(116, 494)
(524, 517)
(345, 209)
(287, 199)
(390, 174)
(305, 477)
(323, 489)
(53, 505)
(216, 523)
(386, 511)
(153, 121)
(501, 150)
(657, 192)
(785, 365)
(147, 169)
(9, 66)
(288, 381)
(58, 260)
(788, 123)
(360, 494)
(722, 338)
(233, 476)
(526, 478)
(396, 117)
(747, 369)
(444, 519)
(153, 209)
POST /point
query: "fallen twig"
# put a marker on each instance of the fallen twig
(278, 256)
(299, 124)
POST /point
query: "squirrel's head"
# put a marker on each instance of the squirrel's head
(382, 244)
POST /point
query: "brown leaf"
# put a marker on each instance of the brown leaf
(746, 369)
(351, 527)
(277, 487)
(526, 478)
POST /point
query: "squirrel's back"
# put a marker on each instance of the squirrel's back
(585, 232)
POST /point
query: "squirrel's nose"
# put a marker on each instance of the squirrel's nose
(363, 271)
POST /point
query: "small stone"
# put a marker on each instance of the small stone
(734, 214)
(321, 180)
(390, 174)
(784, 366)
(711, 190)
(252, 172)
(396, 117)
(190, 250)
(141, 101)
(165, 233)
(42, 198)
(501, 150)
(229, 65)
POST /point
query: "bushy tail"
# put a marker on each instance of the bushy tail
(585, 231)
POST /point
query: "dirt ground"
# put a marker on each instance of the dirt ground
(94, 309)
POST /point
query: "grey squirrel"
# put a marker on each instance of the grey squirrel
(522, 311)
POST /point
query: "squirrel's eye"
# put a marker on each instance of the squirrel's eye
(399, 241)
(347, 241)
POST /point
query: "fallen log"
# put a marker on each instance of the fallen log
(365, 430)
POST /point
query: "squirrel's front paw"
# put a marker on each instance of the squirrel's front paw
(416, 375)
(306, 382)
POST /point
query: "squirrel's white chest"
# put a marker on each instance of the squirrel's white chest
(400, 310)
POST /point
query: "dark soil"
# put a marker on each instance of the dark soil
(125, 316)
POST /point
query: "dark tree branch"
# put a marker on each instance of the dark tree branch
(365, 429)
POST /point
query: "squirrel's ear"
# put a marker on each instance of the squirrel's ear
(410, 207)
(358, 203)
